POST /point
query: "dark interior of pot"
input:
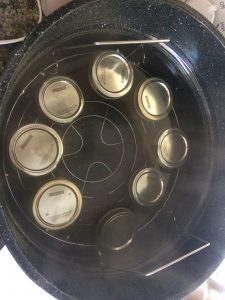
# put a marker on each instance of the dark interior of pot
(104, 148)
(135, 165)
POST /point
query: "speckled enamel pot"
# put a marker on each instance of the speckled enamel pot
(202, 50)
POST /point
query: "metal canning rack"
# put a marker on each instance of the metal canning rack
(197, 244)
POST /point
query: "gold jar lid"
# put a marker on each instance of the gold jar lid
(57, 204)
(154, 99)
(112, 75)
(35, 149)
(61, 99)
(148, 187)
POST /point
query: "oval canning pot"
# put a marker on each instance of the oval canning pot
(123, 244)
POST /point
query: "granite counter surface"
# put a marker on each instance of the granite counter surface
(17, 18)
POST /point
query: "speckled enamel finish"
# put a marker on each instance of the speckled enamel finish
(203, 50)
